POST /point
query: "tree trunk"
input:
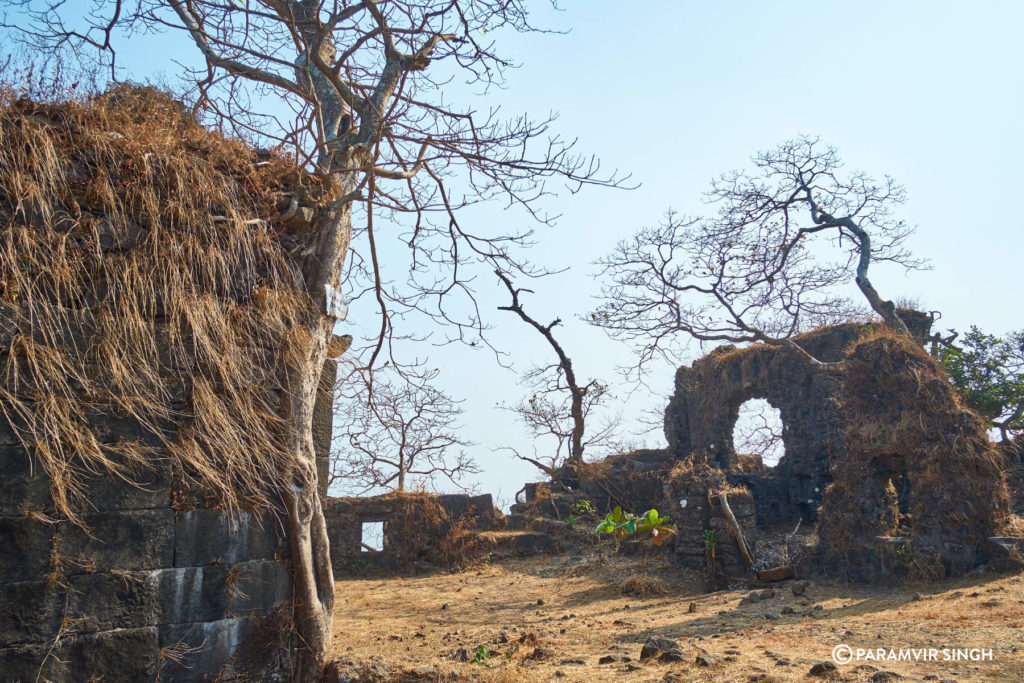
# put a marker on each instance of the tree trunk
(313, 579)
(741, 541)
(576, 410)
(305, 353)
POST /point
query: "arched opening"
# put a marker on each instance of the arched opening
(758, 431)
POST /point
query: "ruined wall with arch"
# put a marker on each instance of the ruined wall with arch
(702, 413)
(880, 452)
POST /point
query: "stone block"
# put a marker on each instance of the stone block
(258, 588)
(108, 601)
(202, 649)
(214, 537)
(192, 594)
(150, 488)
(776, 574)
(30, 612)
(111, 429)
(119, 655)
(532, 544)
(25, 485)
(31, 663)
(123, 540)
(458, 504)
(8, 437)
(27, 545)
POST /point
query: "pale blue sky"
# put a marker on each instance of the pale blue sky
(931, 93)
(679, 92)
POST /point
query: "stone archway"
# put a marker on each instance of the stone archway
(704, 408)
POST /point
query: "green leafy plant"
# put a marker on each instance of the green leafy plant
(584, 508)
(709, 541)
(989, 371)
(624, 524)
(570, 521)
(482, 656)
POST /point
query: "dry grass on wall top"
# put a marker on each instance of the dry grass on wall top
(422, 530)
(902, 418)
(140, 280)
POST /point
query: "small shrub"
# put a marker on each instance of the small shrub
(624, 524)
(584, 508)
(482, 656)
(709, 542)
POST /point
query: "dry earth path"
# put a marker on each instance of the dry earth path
(553, 618)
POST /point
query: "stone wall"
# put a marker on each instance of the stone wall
(704, 406)
(703, 410)
(415, 527)
(702, 528)
(138, 287)
(1013, 454)
(156, 586)
(149, 590)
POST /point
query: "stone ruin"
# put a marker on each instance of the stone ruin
(158, 586)
(405, 532)
(121, 570)
(154, 581)
(885, 473)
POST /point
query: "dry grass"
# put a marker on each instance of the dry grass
(403, 624)
(902, 418)
(141, 282)
(642, 586)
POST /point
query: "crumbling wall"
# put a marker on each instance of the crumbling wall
(703, 409)
(159, 584)
(1013, 459)
(151, 588)
(704, 537)
(419, 530)
(878, 446)
(145, 306)
(919, 488)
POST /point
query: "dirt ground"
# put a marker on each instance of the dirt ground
(553, 617)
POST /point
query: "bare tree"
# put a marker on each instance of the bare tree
(753, 273)
(404, 429)
(349, 86)
(559, 406)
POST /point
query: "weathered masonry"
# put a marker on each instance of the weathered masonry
(153, 588)
(145, 308)
(401, 532)
(885, 472)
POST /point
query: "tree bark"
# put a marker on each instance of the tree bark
(313, 581)
(306, 352)
(886, 309)
(741, 541)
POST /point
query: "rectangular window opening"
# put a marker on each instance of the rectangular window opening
(372, 540)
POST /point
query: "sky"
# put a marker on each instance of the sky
(676, 93)
(931, 93)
